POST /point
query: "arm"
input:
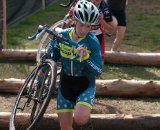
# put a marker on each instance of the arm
(93, 61)
(106, 19)
(54, 50)
(109, 26)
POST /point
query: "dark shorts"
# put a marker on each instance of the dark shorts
(72, 91)
(72, 87)
(120, 16)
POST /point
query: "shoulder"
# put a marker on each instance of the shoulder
(65, 32)
(93, 40)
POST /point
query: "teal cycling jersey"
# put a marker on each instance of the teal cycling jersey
(72, 65)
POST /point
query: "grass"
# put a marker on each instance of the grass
(143, 27)
(130, 72)
(17, 35)
(142, 35)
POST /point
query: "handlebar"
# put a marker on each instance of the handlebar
(55, 35)
(44, 28)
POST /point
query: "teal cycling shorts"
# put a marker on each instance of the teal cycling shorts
(85, 98)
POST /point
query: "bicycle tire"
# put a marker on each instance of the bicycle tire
(42, 99)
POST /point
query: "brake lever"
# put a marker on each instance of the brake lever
(39, 32)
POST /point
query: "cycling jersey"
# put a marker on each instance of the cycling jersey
(99, 30)
(71, 64)
(103, 8)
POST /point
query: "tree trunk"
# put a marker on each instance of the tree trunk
(147, 59)
(99, 122)
(128, 88)
(10, 85)
(18, 55)
(117, 87)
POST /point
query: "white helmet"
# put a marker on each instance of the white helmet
(86, 12)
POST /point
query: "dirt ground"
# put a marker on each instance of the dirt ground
(112, 105)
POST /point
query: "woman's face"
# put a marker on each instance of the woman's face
(82, 29)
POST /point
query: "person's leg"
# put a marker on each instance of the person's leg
(64, 111)
(120, 32)
(81, 114)
(66, 120)
(83, 108)
(119, 37)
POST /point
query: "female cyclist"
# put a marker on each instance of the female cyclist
(80, 67)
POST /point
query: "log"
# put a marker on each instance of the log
(18, 55)
(147, 59)
(128, 88)
(99, 121)
(10, 85)
(117, 87)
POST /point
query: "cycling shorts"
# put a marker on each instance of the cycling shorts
(120, 16)
(73, 91)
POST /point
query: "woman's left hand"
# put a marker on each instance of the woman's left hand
(82, 51)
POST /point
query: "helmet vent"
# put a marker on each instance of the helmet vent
(86, 15)
(92, 8)
(81, 15)
(85, 6)
(91, 18)
(95, 17)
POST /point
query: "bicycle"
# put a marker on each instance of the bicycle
(33, 98)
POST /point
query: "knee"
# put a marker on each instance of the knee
(81, 119)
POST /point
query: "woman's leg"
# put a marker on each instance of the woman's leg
(66, 120)
(81, 114)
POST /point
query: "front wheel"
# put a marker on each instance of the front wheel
(33, 99)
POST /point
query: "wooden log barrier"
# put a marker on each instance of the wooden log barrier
(10, 85)
(18, 55)
(99, 121)
(147, 59)
(128, 88)
(117, 87)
